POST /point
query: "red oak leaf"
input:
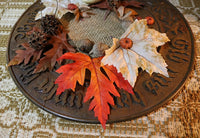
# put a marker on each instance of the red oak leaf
(100, 85)
(25, 55)
(59, 43)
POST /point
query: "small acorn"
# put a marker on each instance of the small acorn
(126, 43)
(85, 45)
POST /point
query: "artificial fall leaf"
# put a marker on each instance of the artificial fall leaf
(102, 5)
(59, 43)
(100, 85)
(110, 4)
(58, 7)
(82, 14)
(143, 52)
(36, 46)
(133, 3)
(117, 77)
(125, 13)
(30, 52)
(119, 7)
(25, 55)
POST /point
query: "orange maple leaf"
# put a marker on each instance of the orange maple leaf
(100, 85)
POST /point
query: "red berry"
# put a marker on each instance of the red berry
(126, 43)
(72, 6)
(150, 20)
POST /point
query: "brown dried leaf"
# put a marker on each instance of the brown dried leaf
(59, 43)
(25, 55)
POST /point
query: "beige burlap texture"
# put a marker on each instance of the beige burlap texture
(21, 118)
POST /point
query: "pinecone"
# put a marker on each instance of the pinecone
(38, 40)
(51, 25)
